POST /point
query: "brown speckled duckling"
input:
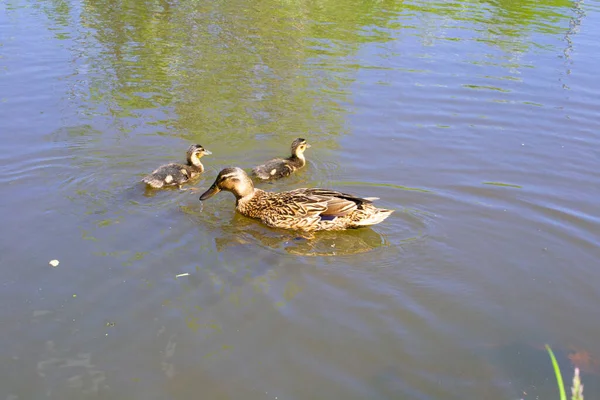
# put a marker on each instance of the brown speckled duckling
(306, 209)
(175, 174)
(281, 167)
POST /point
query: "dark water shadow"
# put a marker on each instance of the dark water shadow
(406, 226)
(242, 231)
(231, 229)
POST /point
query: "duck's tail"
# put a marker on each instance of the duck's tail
(260, 173)
(376, 216)
(153, 181)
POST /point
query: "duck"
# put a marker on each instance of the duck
(175, 174)
(278, 168)
(304, 209)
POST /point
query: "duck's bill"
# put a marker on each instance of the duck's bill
(210, 193)
(207, 153)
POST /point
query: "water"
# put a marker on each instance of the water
(476, 121)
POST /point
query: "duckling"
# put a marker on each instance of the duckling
(306, 209)
(175, 174)
(281, 167)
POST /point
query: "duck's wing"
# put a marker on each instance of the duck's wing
(298, 202)
(290, 210)
(336, 203)
(273, 169)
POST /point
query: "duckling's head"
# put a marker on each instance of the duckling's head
(195, 152)
(233, 180)
(298, 147)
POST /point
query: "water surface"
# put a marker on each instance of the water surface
(476, 121)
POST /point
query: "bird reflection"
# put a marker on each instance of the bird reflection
(242, 231)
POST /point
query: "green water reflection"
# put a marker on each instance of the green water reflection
(231, 70)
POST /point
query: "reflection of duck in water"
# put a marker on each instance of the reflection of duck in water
(281, 167)
(175, 174)
(306, 209)
(241, 231)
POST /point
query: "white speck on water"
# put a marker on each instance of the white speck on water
(54, 263)
(181, 275)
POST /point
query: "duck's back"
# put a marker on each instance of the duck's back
(312, 209)
(169, 175)
(276, 168)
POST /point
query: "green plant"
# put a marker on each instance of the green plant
(576, 389)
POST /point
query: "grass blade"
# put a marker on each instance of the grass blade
(561, 386)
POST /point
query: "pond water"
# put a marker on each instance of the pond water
(477, 121)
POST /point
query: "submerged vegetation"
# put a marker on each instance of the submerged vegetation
(576, 388)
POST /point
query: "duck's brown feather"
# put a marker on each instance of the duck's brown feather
(310, 209)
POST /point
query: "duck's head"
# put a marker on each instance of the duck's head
(298, 147)
(195, 152)
(233, 180)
